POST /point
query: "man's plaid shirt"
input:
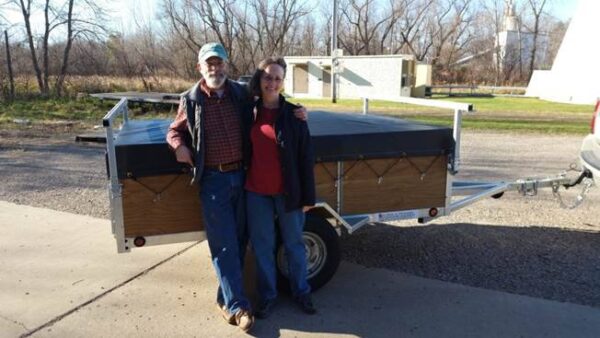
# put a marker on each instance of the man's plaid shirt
(222, 128)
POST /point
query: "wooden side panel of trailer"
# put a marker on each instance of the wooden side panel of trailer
(380, 185)
(160, 205)
(167, 204)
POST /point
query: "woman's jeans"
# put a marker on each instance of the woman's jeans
(222, 196)
(261, 211)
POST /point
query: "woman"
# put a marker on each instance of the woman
(280, 183)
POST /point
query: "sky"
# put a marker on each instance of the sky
(564, 9)
(127, 12)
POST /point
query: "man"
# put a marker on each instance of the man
(215, 115)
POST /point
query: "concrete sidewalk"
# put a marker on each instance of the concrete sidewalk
(60, 276)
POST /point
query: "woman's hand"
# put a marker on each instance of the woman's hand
(301, 113)
(306, 208)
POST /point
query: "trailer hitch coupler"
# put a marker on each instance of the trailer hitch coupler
(584, 174)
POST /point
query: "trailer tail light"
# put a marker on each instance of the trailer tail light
(596, 112)
(433, 212)
(139, 241)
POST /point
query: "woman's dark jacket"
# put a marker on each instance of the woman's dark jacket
(296, 156)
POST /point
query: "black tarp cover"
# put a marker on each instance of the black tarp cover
(142, 150)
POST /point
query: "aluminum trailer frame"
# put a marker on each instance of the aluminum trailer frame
(124, 244)
(469, 191)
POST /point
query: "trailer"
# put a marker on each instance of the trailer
(368, 169)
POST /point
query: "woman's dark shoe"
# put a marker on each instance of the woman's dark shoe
(305, 304)
(265, 309)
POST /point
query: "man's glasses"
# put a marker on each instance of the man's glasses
(214, 64)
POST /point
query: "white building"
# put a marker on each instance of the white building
(357, 76)
(576, 69)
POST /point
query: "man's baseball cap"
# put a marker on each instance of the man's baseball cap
(212, 49)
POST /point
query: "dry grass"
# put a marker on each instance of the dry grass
(26, 86)
(98, 84)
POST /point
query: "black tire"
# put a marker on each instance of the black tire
(323, 254)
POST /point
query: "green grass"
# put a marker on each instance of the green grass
(496, 113)
(39, 110)
(525, 125)
(89, 111)
(520, 105)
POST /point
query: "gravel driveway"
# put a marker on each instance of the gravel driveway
(528, 246)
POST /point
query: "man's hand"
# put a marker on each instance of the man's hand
(184, 155)
(301, 113)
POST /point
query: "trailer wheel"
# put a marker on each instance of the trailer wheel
(323, 254)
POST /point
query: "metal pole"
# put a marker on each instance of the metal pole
(340, 187)
(456, 132)
(333, 53)
(365, 105)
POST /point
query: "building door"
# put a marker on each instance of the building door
(301, 78)
(326, 82)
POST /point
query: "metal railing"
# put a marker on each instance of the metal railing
(473, 89)
(116, 199)
(457, 107)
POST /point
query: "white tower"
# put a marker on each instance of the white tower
(576, 69)
(507, 40)
(515, 46)
(510, 18)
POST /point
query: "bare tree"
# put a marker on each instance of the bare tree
(412, 25)
(83, 20)
(120, 59)
(25, 7)
(59, 15)
(556, 33)
(274, 25)
(11, 81)
(368, 25)
(537, 8)
(492, 10)
(219, 18)
(182, 20)
(457, 35)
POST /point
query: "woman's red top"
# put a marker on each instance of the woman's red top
(264, 175)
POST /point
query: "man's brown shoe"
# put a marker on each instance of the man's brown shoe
(244, 320)
(229, 318)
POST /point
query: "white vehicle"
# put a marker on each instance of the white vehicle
(590, 149)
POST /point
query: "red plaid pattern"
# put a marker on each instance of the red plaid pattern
(222, 129)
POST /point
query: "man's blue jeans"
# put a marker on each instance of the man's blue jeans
(261, 211)
(223, 203)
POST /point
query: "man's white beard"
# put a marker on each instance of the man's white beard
(215, 81)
